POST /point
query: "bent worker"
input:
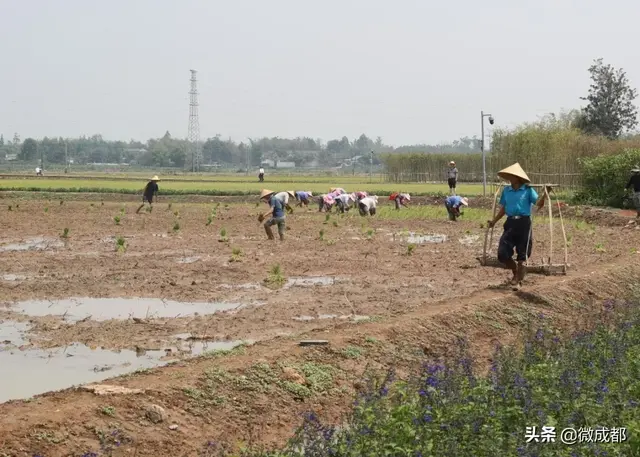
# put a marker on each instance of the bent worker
(303, 197)
(368, 205)
(345, 201)
(452, 177)
(150, 191)
(400, 199)
(276, 211)
(453, 204)
(360, 195)
(634, 182)
(516, 202)
(326, 202)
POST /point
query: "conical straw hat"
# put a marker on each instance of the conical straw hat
(514, 170)
(265, 193)
(465, 201)
(291, 193)
(155, 178)
(636, 169)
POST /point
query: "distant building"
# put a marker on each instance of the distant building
(268, 163)
(286, 165)
(11, 157)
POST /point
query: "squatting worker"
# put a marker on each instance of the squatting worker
(453, 204)
(276, 211)
(634, 182)
(516, 202)
(150, 191)
(452, 177)
(368, 205)
(303, 197)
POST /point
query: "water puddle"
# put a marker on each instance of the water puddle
(246, 286)
(11, 334)
(189, 259)
(102, 309)
(469, 240)
(78, 364)
(310, 281)
(414, 238)
(33, 244)
(355, 318)
(12, 277)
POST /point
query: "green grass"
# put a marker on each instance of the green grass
(239, 186)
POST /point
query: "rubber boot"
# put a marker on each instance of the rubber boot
(269, 232)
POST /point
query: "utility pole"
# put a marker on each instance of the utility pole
(66, 157)
(247, 174)
(194, 125)
(484, 156)
(370, 167)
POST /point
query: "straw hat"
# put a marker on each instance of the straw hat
(265, 193)
(464, 201)
(452, 163)
(514, 170)
(332, 189)
(155, 178)
(291, 193)
(635, 169)
(310, 194)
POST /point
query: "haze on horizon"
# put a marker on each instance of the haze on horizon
(409, 71)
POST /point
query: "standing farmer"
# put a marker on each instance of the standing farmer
(452, 177)
(150, 191)
(516, 202)
(634, 182)
(261, 174)
(276, 211)
(453, 204)
(303, 197)
(368, 205)
(400, 199)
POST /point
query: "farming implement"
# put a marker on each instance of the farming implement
(546, 265)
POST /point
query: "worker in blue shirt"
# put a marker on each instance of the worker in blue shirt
(453, 204)
(516, 203)
(276, 211)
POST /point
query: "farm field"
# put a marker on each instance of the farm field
(91, 290)
(226, 187)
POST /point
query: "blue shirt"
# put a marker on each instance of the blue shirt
(518, 202)
(302, 195)
(277, 206)
(453, 202)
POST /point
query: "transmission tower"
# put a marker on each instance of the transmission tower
(194, 125)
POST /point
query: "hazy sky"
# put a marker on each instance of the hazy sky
(410, 71)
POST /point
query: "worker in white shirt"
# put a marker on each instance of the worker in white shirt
(368, 205)
(261, 174)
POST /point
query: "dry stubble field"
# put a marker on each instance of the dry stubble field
(359, 285)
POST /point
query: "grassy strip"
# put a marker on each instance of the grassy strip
(588, 382)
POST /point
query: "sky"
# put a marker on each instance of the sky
(409, 71)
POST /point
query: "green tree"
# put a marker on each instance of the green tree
(610, 106)
(29, 150)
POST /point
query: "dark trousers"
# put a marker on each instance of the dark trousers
(452, 183)
(515, 236)
(261, 177)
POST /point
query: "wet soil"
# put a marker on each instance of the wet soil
(84, 293)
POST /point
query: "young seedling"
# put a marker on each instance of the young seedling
(257, 204)
(65, 233)
(370, 233)
(326, 219)
(176, 213)
(169, 206)
(61, 202)
(209, 219)
(148, 209)
(108, 411)
(102, 203)
(331, 242)
(10, 208)
(236, 255)
(92, 205)
(122, 210)
(121, 244)
(176, 227)
(276, 276)
(321, 235)
(410, 249)
(335, 223)
(223, 235)
(116, 219)
(600, 247)
(46, 210)
(17, 205)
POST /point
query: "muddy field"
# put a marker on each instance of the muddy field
(91, 290)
